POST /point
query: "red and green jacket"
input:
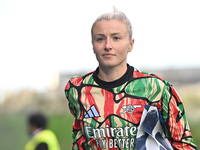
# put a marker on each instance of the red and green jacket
(107, 114)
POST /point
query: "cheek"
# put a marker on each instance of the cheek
(124, 48)
(94, 47)
(129, 47)
(97, 48)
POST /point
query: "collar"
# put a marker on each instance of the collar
(36, 132)
(128, 74)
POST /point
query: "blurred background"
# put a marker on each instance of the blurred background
(45, 42)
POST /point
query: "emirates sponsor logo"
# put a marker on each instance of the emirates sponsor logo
(120, 136)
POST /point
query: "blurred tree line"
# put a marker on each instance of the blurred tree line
(26, 101)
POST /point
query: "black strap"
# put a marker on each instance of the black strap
(42, 146)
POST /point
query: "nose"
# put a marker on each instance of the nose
(108, 45)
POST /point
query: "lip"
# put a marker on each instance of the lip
(107, 55)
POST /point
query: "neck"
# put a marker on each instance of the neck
(111, 74)
(37, 130)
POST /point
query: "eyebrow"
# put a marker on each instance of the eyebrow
(111, 34)
(116, 33)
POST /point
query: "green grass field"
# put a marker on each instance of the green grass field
(14, 135)
(13, 131)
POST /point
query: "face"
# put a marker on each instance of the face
(31, 129)
(111, 43)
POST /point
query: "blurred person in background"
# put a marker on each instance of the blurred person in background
(40, 137)
(119, 107)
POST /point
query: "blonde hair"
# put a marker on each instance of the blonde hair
(118, 15)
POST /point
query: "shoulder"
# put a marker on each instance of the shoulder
(48, 132)
(44, 133)
(78, 79)
(138, 74)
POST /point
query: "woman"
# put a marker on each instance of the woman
(109, 103)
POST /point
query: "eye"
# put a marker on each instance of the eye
(99, 39)
(116, 38)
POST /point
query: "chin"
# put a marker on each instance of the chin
(107, 65)
(112, 64)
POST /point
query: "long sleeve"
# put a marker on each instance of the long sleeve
(177, 128)
(77, 134)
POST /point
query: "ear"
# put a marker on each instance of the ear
(131, 45)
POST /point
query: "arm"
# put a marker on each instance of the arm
(78, 138)
(77, 134)
(177, 128)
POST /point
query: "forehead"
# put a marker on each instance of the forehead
(112, 25)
